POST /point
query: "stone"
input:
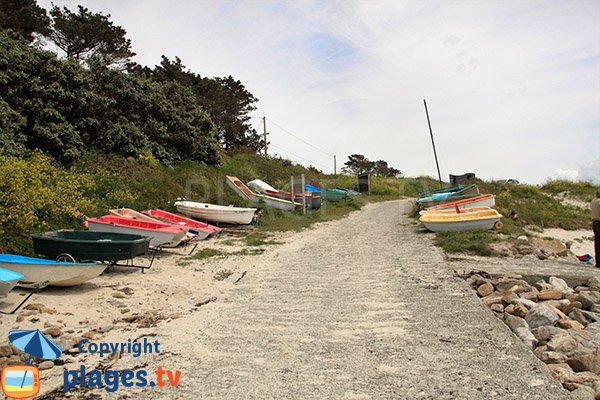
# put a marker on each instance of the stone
(531, 295)
(585, 361)
(542, 285)
(20, 318)
(53, 331)
(118, 295)
(45, 365)
(549, 246)
(524, 249)
(541, 315)
(591, 316)
(526, 337)
(594, 283)
(512, 284)
(521, 311)
(588, 298)
(510, 309)
(476, 280)
(497, 308)
(562, 343)
(595, 308)
(559, 284)
(499, 298)
(561, 372)
(560, 314)
(485, 290)
(552, 357)
(583, 392)
(515, 322)
(40, 308)
(593, 328)
(545, 333)
(578, 316)
(549, 294)
(570, 324)
(523, 238)
(525, 302)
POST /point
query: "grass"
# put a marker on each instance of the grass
(583, 191)
(258, 239)
(476, 242)
(206, 253)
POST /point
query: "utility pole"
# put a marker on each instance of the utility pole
(265, 133)
(334, 166)
(433, 143)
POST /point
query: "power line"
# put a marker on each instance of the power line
(298, 138)
(302, 158)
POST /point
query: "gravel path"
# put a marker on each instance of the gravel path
(360, 308)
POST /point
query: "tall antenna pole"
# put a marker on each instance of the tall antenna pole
(265, 133)
(334, 166)
(433, 143)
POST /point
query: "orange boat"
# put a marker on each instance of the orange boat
(485, 200)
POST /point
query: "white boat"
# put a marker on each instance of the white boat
(247, 194)
(56, 273)
(161, 234)
(8, 280)
(260, 186)
(453, 210)
(464, 221)
(212, 212)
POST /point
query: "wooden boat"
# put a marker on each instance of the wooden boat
(312, 201)
(459, 222)
(212, 212)
(201, 229)
(484, 200)
(160, 234)
(129, 213)
(56, 273)
(8, 280)
(430, 211)
(246, 193)
(71, 245)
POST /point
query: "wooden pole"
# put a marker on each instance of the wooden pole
(334, 166)
(432, 142)
(265, 133)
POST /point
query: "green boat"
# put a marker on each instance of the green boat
(71, 245)
(450, 189)
(333, 195)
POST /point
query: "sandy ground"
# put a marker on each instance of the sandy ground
(583, 239)
(361, 308)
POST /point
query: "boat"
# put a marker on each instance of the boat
(312, 201)
(455, 210)
(327, 195)
(435, 202)
(349, 192)
(8, 280)
(484, 200)
(247, 194)
(71, 245)
(260, 186)
(450, 189)
(464, 221)
(56, 273)
(201, 229)
(129, 213)
(212, 212)
(160, 234)
(311, 188)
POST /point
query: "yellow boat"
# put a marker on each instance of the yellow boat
(453, 211)
(487, 218)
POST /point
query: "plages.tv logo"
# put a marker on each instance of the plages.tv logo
(23, 381)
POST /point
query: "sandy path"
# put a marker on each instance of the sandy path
(361, 308)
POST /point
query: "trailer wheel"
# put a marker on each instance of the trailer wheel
(498, 225)
(65, 257)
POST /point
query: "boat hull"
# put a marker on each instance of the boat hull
(36, 270)
(485, 201)
(202, 230)
(8, 280)
(247, 194)
(215, 213)
(90, 245)
(157, 238)
(461, 226)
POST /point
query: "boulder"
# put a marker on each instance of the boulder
(531, 295)
(512, 284)
(549, 294)
(570, 324)
(499, 298)
(588, 298)
(545, 333)
(578, 316)
(559, 284)
(549, 246)
(584, 360)
(541, 315)
(562, 343)
(552, 357)
(525, 302)
(542, 285)
(485, 290)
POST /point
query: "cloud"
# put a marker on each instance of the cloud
(512, 87)
(566, 174)
(590, 172)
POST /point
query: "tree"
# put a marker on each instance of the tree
(381, 168)
(85, 35)
(226, 101)
(358, 164)
(24, 18)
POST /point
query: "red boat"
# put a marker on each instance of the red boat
(160, 234)
(204, 230)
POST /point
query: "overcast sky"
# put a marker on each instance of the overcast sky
(512, 87)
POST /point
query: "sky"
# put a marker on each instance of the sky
(512, 87)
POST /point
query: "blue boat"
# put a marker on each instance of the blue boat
(8, 280)
(55, 273)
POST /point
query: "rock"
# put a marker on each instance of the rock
(510, 309)
(593, 328)
(541, 315)
(127, 290)
(577, 304)
(65, 342)
(512, 284)
(570, 324)
(526, 337)
(476, 280)
(588, 298)
(562, 343)
(6, 350)
(515, 322)
(549, 246)
(525, 302)
(497, 308)
(541, 254)
(552, 357)
(594, 283)
(559, 284)
(524, 249)
(591, 316)
(40, 308)
(595, 308)
(560, 314)
(118, 295)
(45, 365)
(542, 285)
(20, 318)
(545, 333)
(578, 316)
(485, 290)
(583, 392)
(562, 372)
(585, 361)
(53, 331)
(521, 311)
(550, 294)
(88, 335)
(523, 238)
(531, 295)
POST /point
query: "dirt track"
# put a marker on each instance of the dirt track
(361, 308)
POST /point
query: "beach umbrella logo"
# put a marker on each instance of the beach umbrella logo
(23, 381)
